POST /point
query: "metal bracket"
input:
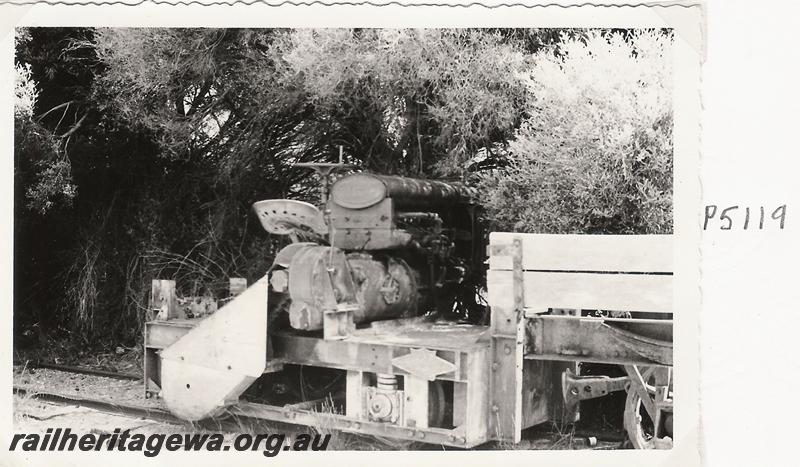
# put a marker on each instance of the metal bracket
(577, 388)
(338, 322)
(424, 364)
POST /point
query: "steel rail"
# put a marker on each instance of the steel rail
(230, 423)
(99, 404)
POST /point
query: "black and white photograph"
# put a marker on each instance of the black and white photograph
(261, 241)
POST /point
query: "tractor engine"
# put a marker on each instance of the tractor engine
(382, 247)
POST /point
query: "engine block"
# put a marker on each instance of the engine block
(396, 246)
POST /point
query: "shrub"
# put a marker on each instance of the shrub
(595, 155)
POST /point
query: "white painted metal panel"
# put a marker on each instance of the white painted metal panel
(210, 366)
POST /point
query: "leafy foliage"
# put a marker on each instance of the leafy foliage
(595, 155)
(410, 101)
(40, 148)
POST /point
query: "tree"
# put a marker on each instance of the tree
(417, 102)
(595, 153)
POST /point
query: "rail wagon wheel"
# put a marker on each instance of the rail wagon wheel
(641, 407)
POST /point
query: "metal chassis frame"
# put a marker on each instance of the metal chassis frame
(585, 339)
(470, 368)
(504, 372)
(455, 437)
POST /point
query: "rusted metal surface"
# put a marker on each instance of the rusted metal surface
(288, 216)
(563, 271)
(164, 300)
(378, 216)
(656, 329)
(649, 407)
(320, 279)
(310, 287)
(442, 436)
(384, 289)
(372, 239)
(569, 338)
(505, 377)
(363, 353)
(322, 292)
(578, 388)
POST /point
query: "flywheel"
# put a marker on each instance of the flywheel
(641, 414)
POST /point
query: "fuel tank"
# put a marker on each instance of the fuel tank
(362, 190)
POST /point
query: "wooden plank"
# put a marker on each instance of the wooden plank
(615, 292)
(505, 422)
(460, 403)
(542, 399)
(354, 394)
(536, 397)
(615, 253)
(477, 411)
(416, 404)
(164, 300)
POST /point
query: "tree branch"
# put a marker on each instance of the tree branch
(199, 97)
(75, 127)
(65, 104)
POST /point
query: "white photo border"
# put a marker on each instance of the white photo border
(685, 18)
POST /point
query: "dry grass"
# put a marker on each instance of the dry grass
(564, 437)
(82, 292)
(21, 401)
(65, 351)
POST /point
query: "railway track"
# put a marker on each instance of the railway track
(103, 405)
(99, 404)
(87, 371)
(229, 424)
